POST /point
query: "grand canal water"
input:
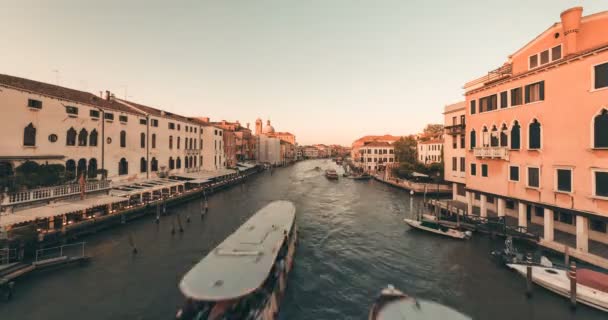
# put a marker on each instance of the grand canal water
(352, 243)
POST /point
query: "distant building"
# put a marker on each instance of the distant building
(430, 151)
(454, 150)
(310, 152)
(356, 152)
(287, 144)
(376, 155)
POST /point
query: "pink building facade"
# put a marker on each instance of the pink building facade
(537, 134)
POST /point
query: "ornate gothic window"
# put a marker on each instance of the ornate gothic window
(83, 136)
(93, 138)
(71, 137)
(515, 136)
(29, 135)
(535, 135)
(600, 130)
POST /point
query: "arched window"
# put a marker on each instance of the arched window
(70, 169)
(153, 165)
(504, 138)
(29, 135)
(600, 130)
(143, 165)
(194, 162)
(93, 138)
(123, 139)
(123, 167)
(92, 170)
(170, 142)
(171, 163)
(178, 142)
(83, 136)
(190, 162)
(142, 140)
(515, 136)
(535, 135)
(494, 137)
(153, 140)
(473, 139)
(178, 163)
(82, 168)
(70, 139)
(485, 137)
(191, 146)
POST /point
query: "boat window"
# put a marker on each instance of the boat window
(550, 271)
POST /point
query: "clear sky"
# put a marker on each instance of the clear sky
(328, 71)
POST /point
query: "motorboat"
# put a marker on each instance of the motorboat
(363, 176)
(331, 174)
(435, 227)
(245, 277)
(393, 304)
(591, 286)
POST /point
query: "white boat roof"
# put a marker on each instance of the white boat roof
(240, 264)
(424, 310)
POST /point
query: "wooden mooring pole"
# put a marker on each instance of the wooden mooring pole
(566, 255)
(157, 220)
(529, 275)
(572, 276)
(132, 243)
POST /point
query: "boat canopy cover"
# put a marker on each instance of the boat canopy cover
(592, 279)
(422, 310)
(241, 263)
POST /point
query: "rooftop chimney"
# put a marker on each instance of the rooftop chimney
(571, 21)
(108, 95)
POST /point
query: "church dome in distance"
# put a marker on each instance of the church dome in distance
(268, 128)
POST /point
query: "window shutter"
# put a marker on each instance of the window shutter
(527, 94)
(542, 90)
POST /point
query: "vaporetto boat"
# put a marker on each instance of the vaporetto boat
(245, 277)
(591, 287)
(393, 304)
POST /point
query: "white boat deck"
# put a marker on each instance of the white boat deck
(241, 263)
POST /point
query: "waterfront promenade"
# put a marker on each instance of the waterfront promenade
(352, 242)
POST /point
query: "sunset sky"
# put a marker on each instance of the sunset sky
(328, 71)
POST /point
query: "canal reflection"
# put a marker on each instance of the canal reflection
(352, 243)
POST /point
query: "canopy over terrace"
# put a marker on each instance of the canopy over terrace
(130, 188)
(57, 209)
(205, 175)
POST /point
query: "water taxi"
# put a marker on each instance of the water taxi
(245, 277)
(331, 174)
(393, 304)
(591, 286)
(437, 228)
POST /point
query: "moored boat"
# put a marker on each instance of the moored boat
(437, 228)
(331, 174)
(364, 176)
(393, 304)
(245, 277)
(591, 286)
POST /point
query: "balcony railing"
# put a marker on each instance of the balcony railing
(492, 152)
(455, 129)
(53, 192)
(494, 75)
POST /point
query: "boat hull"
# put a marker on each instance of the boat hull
(557, 281)
(448, 233)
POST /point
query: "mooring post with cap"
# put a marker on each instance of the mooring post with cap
(529, 275)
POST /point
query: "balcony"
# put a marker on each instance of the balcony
(455, 129)
(47, 193)
(497, 74)
(492, 152)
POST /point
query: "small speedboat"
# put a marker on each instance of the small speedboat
(591, 286)
(331, 174)
(437, 228)
(393, 304)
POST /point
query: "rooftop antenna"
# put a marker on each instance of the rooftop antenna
(126, 88)
(56, 76)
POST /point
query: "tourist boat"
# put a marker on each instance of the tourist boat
(591, 287)
(435, 227)
(331, 174)
(393, 304)
(245, 277)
